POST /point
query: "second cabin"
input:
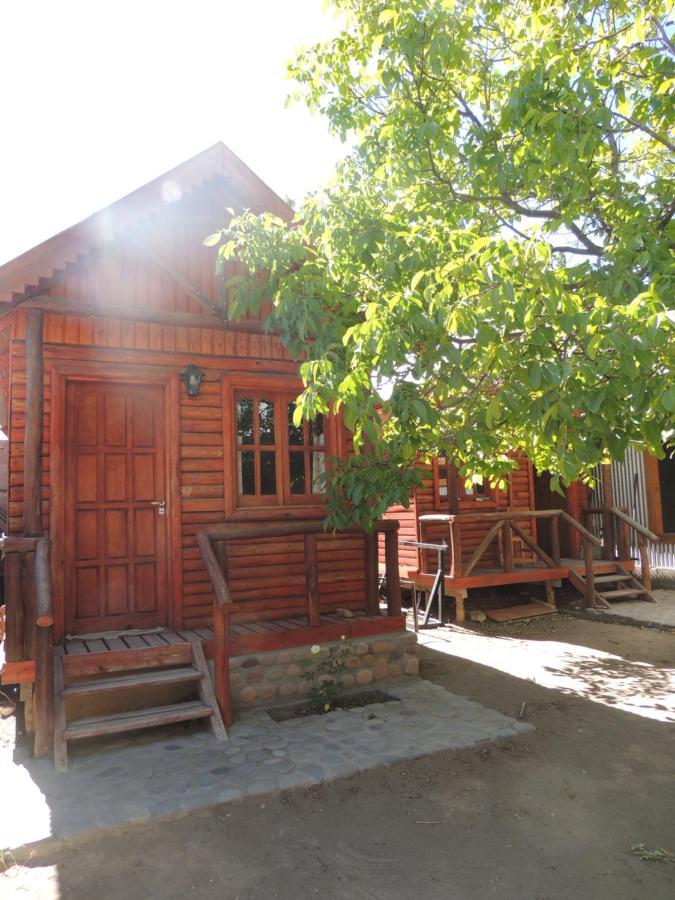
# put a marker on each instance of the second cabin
(526, 533)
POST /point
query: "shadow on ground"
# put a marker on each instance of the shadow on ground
(549, 816)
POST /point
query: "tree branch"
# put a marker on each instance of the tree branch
(646, 129)
(579, 250)
(664, 35)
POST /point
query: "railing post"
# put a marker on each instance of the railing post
(312, 581)
(43, 708)
(623, 535)
(371, 572)
(456, 566)
(643, 547)
(607, 517)
(393, 579)
(221, 629)
(555, 540)
(589, 573)
(508, 546)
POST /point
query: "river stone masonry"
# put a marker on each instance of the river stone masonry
(276, 678)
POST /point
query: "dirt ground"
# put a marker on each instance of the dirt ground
(549, 816)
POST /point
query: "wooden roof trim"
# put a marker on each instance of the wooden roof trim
(56, 252)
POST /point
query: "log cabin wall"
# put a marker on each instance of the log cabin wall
(266, 580)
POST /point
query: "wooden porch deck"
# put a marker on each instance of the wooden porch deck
(87, 655)
(248, 637)
(524, 574)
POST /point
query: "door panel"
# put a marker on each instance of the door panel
(116, 537)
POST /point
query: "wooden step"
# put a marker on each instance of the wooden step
(609, 579)
(136, 679)
(615, 595)
(139, 718)
(107, 661)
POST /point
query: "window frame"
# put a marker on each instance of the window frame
(446, 503)
(654, 498)
(279, 389)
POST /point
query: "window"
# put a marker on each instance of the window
(450, 489)
(306, 454)
(256, 448)
(277, 463)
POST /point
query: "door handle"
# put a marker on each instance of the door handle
(161, 506)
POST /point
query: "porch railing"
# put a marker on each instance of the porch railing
(30, 626)
(502, 528)
(616, 529)
(213, 547)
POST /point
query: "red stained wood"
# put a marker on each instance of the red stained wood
(115, 548)
(32, 470)
(18, 672)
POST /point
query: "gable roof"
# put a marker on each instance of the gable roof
(26, 270)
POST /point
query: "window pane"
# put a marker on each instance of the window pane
(268, 472)
(297, 466)
(316, 436)
(266, 421)
(246, 470)
(296, 433)
(317, 465)
(245, 421)
(442, 478)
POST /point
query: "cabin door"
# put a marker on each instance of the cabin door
(115, 541)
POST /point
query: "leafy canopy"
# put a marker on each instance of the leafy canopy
(492, 267)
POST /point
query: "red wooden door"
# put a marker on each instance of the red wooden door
(115, 545)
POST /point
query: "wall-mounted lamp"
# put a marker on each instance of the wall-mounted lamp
(192, 378)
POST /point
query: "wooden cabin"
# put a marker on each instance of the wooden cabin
(524, 534)
(162, 506)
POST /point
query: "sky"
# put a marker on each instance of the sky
(99, 98)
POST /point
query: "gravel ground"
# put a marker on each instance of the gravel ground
(551, 815)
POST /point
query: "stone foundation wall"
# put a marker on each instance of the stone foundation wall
(275, 679)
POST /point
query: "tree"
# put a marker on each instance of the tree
(492, 268)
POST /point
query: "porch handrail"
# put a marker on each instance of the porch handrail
(584, 532)
(214, 558)
(634, 524)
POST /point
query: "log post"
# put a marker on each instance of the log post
(555, 540)
(623, 534)
(371, 573)
(312, 581)
(643, 547)
(221, 634)
(456, 566)
(393, 578)
(607, 517)
(508, 546)
(43, 707)
(589, 573)
(32, 460)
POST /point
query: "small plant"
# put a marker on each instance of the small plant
(324, 673)
(657, 854)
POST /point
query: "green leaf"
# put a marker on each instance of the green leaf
(386, 16)
(417, 277)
